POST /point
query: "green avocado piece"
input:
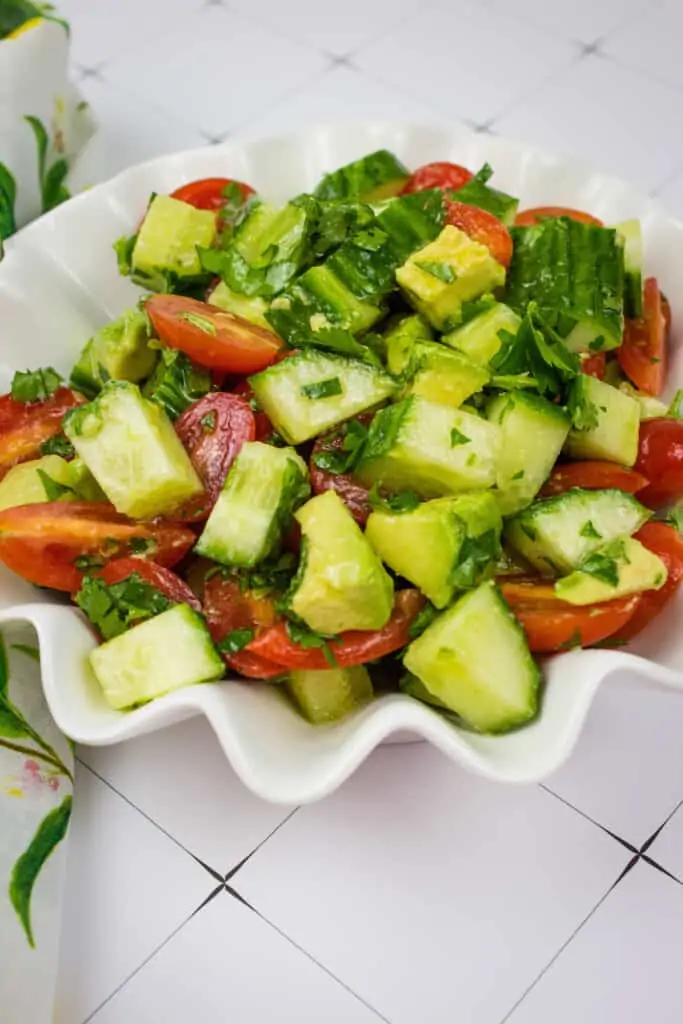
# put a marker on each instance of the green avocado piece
(341, 582)
(168, 238)
(622, 567)
(453, 269)
(249, 308)
(119, 351)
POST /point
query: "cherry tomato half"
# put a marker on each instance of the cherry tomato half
(552, 625)
(208, 193)
(163, 580)
(353, 494)
(660, 459)
(213, 431)
(643, 355)
(665, 541)
(53, 543)
(593, 476)
(353, 648)
(25, 427)
(525, 218)
(211, 336)
(483, 227)
(228, 608)
(594, 365)
(440, 174)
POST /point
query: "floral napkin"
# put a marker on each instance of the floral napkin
(44, 121)
(44, 127)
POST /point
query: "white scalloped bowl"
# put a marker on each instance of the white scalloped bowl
(59, 282)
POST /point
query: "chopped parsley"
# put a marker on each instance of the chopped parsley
(308, 638)
(602, 567)
(519, 475)
(588, 530)
(208, 421)
(58, 445)
(342, 460)
(235, 641)
(442, 271)
(35, 385)
(457, 438)
(404, 501)
(54, 491)
(675, 410)
(112, 609)
(322, 388)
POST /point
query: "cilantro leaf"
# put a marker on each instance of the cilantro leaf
(307, 638)
(441, 271)
(404, 501)
(58, 445)
(336, 459)
(235, 641)
(458, 438)
(112, 609)
(588, 530)
(35, 385)
(583, 412)
(603, 567)
(478, 555)
(424, 618)
(322, 388)
(538, 350)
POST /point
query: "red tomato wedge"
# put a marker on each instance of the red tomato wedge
(163, 580)
(440, 174)
(44, 543)
(228, 608)
(593, 476)
(211, 336)
(660, 459)
(665, 541)
(213, 431)
(208, 193)
(595, 365)
(24, 428)
(525, 218)
(483, 227)
(263, 427)
(552, 625)
(353, 648)
(643, 355)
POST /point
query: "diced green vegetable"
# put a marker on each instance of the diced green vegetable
(130, 447)
(429, 448)
(448, 272)
(251, 308)
(166, 653)
(624, 566)
(631, 236)
(341, 583)
(552, 533)
(46, 479)
(650, 408)
(575, 273)
(437, 373)
(376, 176)
(167, 242)
(295, 414)
(119, 351)
(264, 486)
(474, 659)
(610, 422)
(35, 385)
(477, 193)
(482, 337)
(533, 433)
(114, 607)
(329, 694)
(177, 382)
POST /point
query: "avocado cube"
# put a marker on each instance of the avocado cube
(451, 270)
(341, 584)
(622, 567)
(251, 308)
(119, 351)
(168, 238)
(129, 445)
(29, 483)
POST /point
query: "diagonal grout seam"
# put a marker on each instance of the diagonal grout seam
(233, 871)
(573, 807)
(318, 964)
(212, 871)
(129, 977)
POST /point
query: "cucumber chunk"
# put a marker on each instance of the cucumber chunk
(452, 270)
(375, 176)
(482, 337)
(341, 583)
(575, 272)
(168, 238)
(119, 351)
(29, 483)
(317, 302)
(163, 654)
(533, 432)
(616, 422)
(429, 448)
(434, 371)
(632, 239)
(477, 193)
(475, 660)
(326, 695)
(619, 568)
(556, 534)
(249, 308)
(129, 445)
(313, 391)
(263, 487)
(441, 546)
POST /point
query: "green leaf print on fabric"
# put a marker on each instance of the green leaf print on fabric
(53, 191)
(8, 195)
(49, 834)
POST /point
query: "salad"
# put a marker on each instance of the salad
(396, 434)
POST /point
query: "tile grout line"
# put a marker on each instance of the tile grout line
(151, 955)
(320, 965)
(603, 828)
(212, 871)
(233, 871)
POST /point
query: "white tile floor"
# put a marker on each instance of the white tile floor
(415, 895)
